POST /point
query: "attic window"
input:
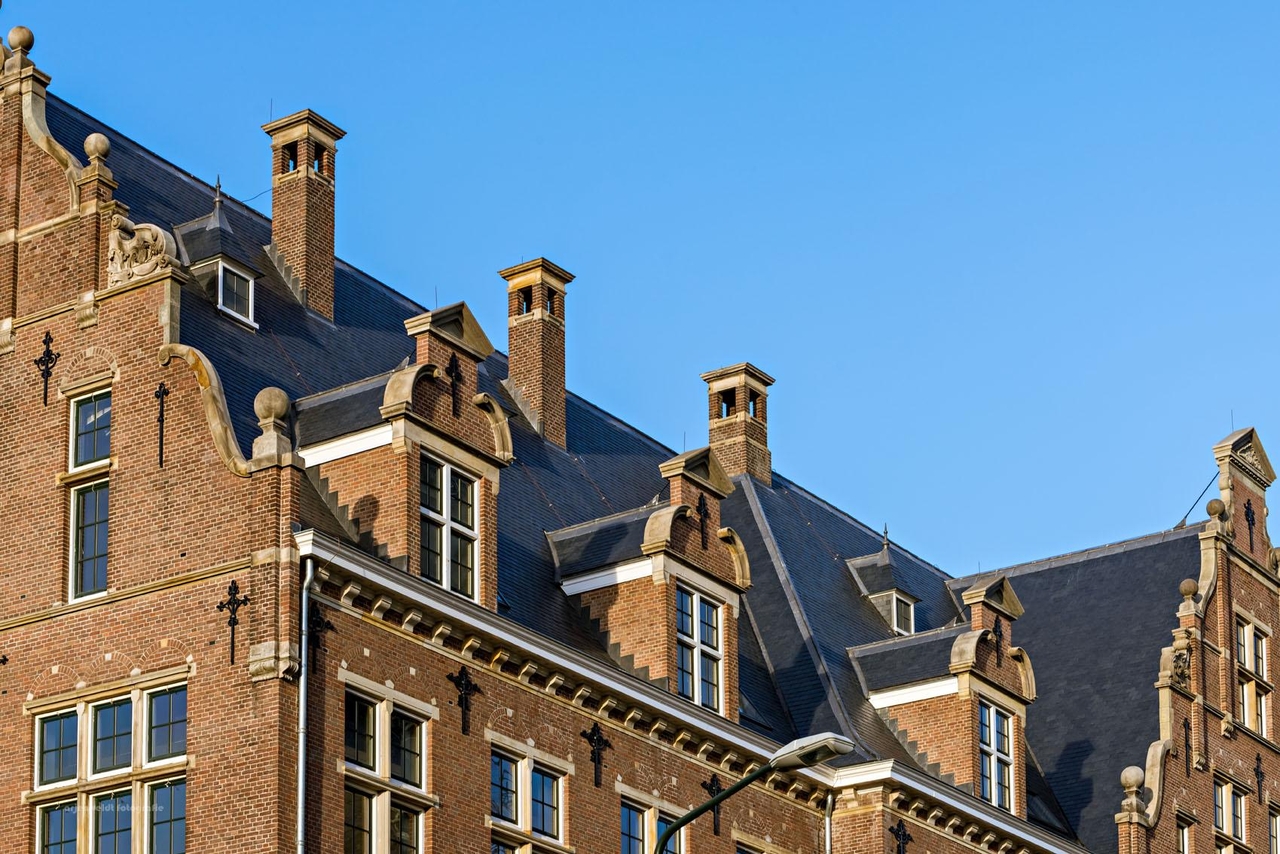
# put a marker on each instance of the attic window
(753, 402)
(235, 293)
(524, 300)
(904, 616)
(289, 157)
(728, 403)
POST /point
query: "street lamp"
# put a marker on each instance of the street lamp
(801, 753)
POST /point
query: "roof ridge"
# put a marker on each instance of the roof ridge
(1088, 553)
(816, 499)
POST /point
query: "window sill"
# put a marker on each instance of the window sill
(63, 791)
(237, 317)
(87, 472)
(508, 832)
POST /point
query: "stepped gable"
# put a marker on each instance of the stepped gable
(1095, 709)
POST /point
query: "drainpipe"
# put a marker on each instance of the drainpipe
(831, 804)
(303, 661)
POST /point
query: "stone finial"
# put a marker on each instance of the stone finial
(272, 408)
(97, 147)
(1215, 508)
(1188, 588)
(21, 40)
(1132, 780)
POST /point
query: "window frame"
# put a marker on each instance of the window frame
(443, 518)
(76, 402)
(1227, 796)
(95, 812)
(698, 648)
(1253, 689)
(94, 773)
(149, 820)
(43, 810)
(40, 784)
(223, 267)
(148, 694)
(73, 585)
(991, 758)
(911, 615)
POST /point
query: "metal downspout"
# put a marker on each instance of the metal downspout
(831, 803)
(304, 659)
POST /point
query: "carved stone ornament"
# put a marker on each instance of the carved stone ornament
(135, 251)
(1250, 456)
(1181, 674)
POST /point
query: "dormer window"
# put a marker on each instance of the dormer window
(904, 615)
(995, 755)
(698, 651)
(235, 293)
(449, 529)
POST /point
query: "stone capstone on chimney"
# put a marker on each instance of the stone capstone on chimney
(738, 420)
(536, 336)
(303, 153)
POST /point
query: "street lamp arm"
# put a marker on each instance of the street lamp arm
(674, 827)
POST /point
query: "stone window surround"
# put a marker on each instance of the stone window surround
(378, 784)
(994, 756)
(520, 835)
(1231, 792)
(652, 808)
(76, 478)
(447, 468)
(698, 646)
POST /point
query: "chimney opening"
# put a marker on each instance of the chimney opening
(525, 297)
(551, 302)
(728, 403)
(289, 156)
(319, 160)
(753, 401)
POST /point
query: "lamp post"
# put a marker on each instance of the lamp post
(801, 753)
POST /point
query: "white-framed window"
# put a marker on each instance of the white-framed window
(1273, 827)
(236, 292)
(90, 429)
(90, 512)
(385, 770)
(526, 797)
(904, 615)
(995, 755)
(1253, 689)
(112, 760)
(641, 826)
(450, 532)
(699, 649)
(1229, 816)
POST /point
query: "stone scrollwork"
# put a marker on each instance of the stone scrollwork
(135, 251)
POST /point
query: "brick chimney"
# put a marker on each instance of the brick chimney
(535, 343)
(303, 149)
(738, 411)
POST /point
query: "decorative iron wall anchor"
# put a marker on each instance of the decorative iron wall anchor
(46, 362)
(232, 605)
(714, 788)
(162, 391)
(900, 833)
(454, 372)
(1249, 519)
(1261, 777)
(703, 512)
(998, 634)
(1186, 740)
(466, 688)
(599, 744)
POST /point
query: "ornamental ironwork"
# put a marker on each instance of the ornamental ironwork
(232, 605)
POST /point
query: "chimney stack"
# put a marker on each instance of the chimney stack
(303, 149)
(535, 343)
(737, 402)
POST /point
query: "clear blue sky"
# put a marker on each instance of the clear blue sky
(1014, 265)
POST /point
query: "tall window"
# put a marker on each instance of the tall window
(503, 795)
(129, 803)
(904, 615)
(673, 844)
(1254, 693)
(384, 745)
(1228, 811)
(449, 528)
(545, 796)
(524, 798)
(632, 829)
(235, 293)
(995, 755)
(699, 653)
(89, 560)
(91, 420)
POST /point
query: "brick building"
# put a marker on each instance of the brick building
(284, 537)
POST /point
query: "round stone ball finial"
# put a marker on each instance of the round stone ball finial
(1132, 778)
(97, 146)
(271, 404)
(1188, 588)
(20, 38)
(1216, 508)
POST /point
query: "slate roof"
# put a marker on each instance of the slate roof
(799, 620)
(1094, 626)
(906, 660)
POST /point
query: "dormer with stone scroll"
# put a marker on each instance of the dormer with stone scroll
(663, 584)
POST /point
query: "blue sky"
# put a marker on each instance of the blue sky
(1013, 265)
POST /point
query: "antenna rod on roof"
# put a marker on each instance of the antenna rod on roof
(1186, 515)
(271, 109)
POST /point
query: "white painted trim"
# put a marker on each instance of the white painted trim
(944, 687)
(345, 446)
(609, 576)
